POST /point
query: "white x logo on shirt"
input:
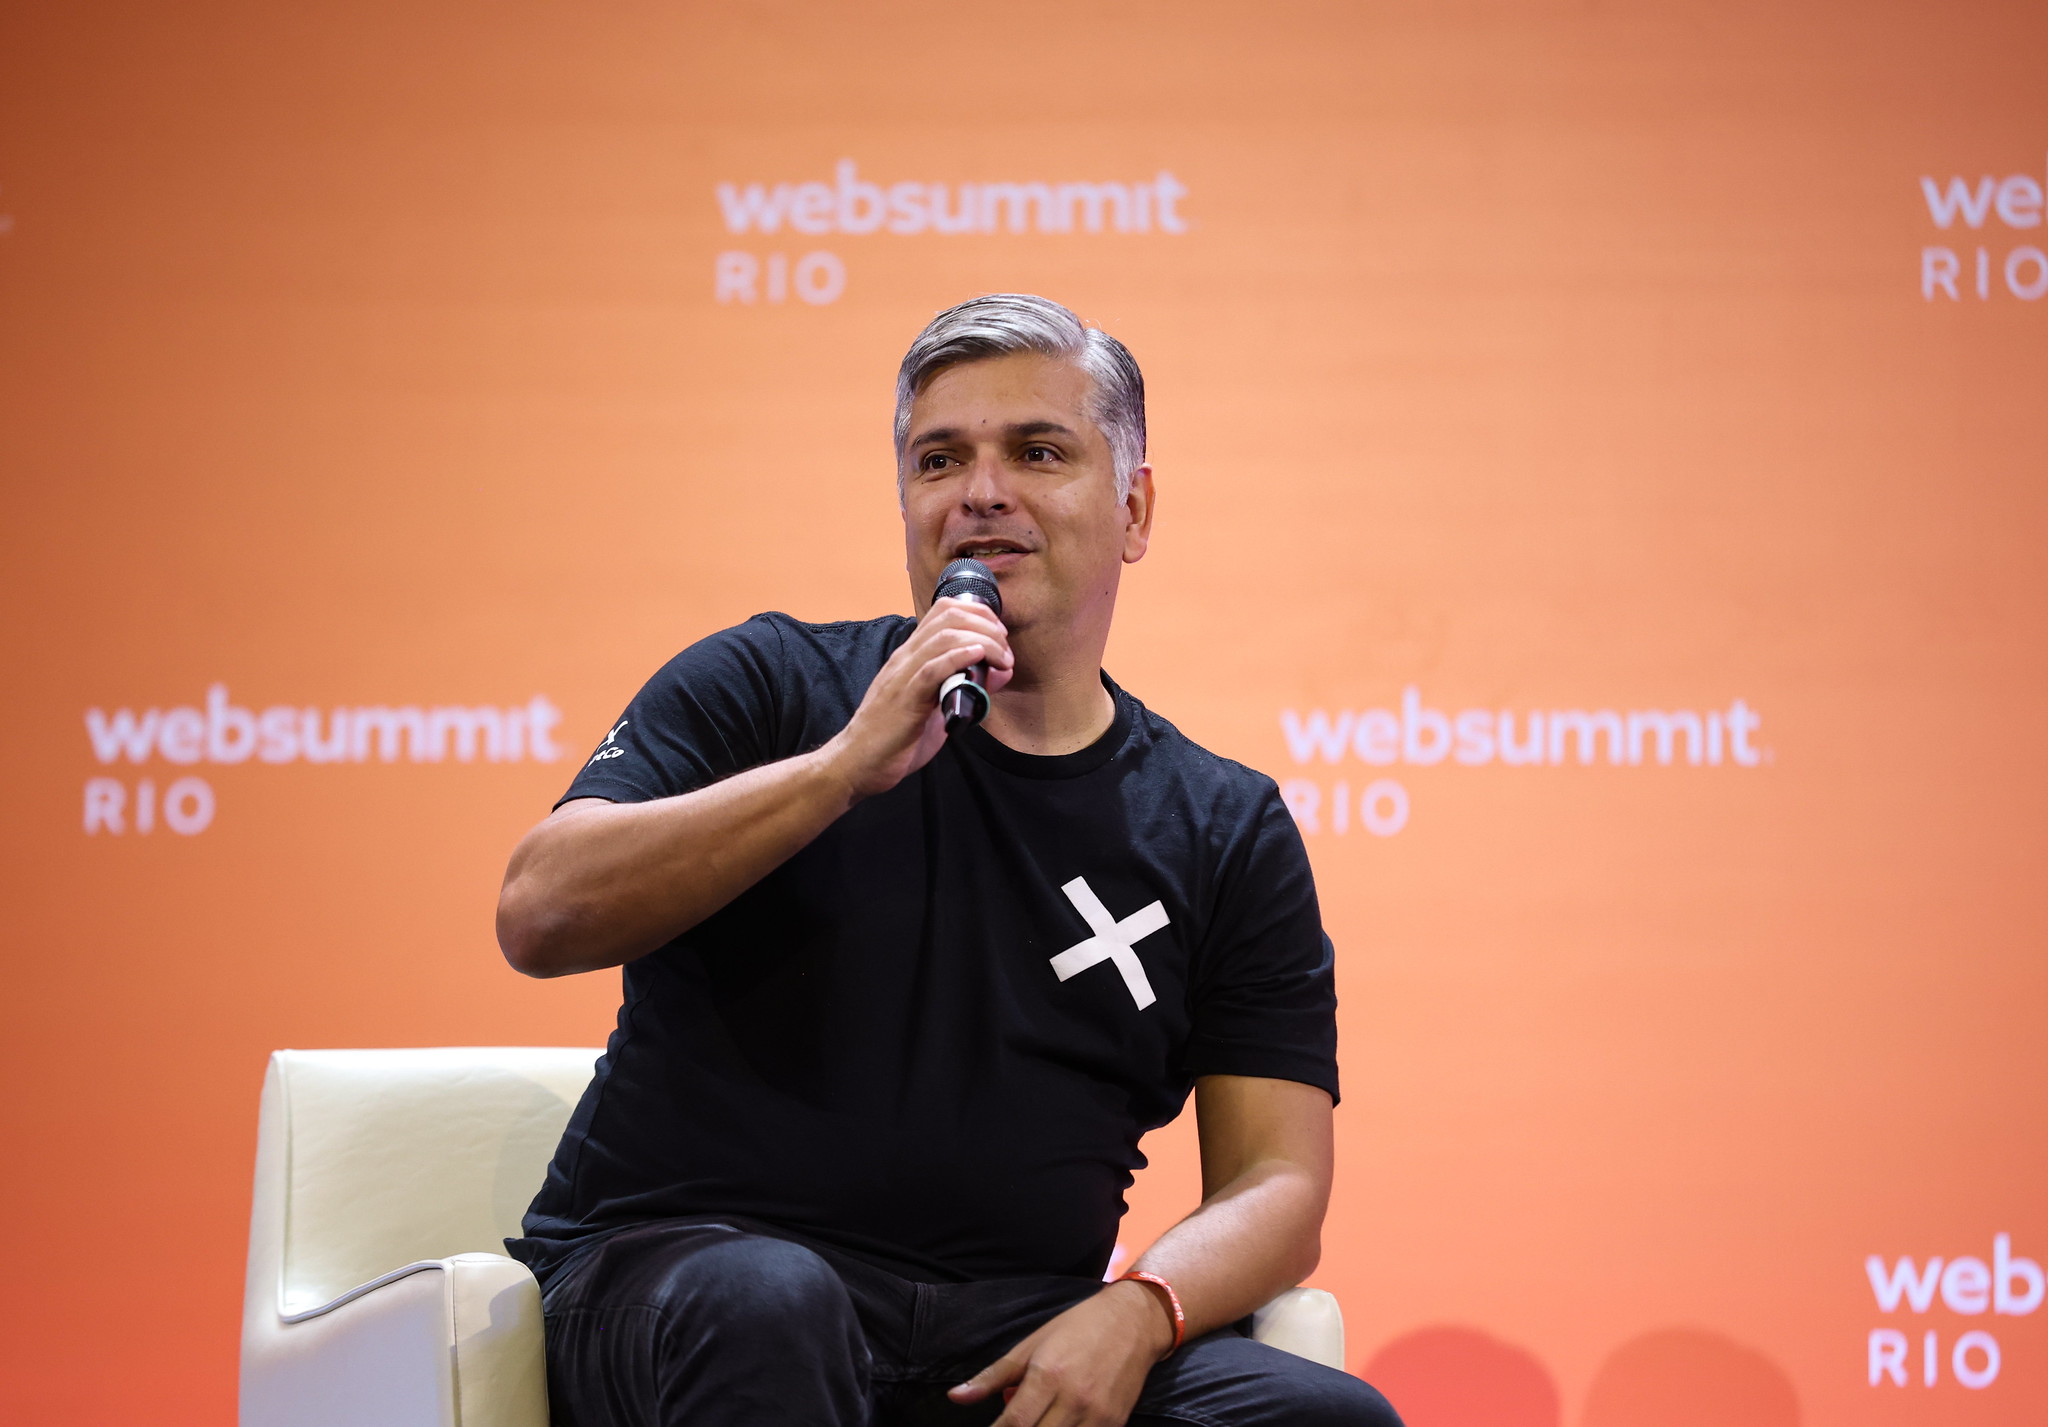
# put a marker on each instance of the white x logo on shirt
(1112, 940)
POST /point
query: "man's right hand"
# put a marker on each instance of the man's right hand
(898, 727)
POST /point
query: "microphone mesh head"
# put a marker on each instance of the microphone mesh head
(969, 579)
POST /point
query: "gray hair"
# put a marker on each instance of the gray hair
(1005, 323)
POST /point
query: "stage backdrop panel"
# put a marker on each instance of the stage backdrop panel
(1600, 467)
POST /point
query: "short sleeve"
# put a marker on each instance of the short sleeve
(1265, 994)
(712, 711)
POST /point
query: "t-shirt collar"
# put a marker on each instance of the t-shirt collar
(985, 746)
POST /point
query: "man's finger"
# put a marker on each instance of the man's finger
(950, 614)
(915, 647)
(994, 650)
(1004, 1371)
(959, 614)
(942, 667)
(955, 603)
(1030, 1406)
(989, 633)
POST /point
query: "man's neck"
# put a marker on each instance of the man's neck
(1053, 706)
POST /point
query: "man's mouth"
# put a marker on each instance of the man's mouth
(983, 548)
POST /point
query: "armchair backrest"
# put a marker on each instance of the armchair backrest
(368, 1160)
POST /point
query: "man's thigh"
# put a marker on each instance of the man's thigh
(1226, 1380)
(702, 1323)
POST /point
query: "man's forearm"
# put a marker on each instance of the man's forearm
(1257, 1236)
(1249, 1240)
(599, 884)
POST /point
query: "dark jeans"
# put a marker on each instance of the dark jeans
(717, 1322)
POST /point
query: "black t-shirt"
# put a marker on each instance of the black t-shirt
(935, 1034)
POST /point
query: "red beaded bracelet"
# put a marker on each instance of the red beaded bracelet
(1180, 1319)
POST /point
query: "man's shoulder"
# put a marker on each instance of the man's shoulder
(1174, 754)
(833, 636)
(771, 641)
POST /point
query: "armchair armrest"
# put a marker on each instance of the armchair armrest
(433, 1344)
(1306, 1322)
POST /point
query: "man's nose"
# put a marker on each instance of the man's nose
(987, 489)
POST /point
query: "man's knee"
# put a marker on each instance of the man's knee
(758, 1286)
(1315, 1396)
(1230, 1379)
(702, 1284)
(1351, 1402)
(708, 1326)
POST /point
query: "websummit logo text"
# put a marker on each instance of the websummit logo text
(850, 204)
(1966, 1286)
(1981, 270)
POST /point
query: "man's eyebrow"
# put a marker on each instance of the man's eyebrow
(940, 435)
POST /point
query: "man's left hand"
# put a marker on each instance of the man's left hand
(1085, 1368)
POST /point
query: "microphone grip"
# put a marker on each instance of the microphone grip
(963, 698)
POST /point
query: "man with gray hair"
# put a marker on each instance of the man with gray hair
(899, 1005)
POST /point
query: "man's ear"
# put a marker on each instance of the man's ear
(1138, 515)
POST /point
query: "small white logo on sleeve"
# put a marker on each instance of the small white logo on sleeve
(610, 747)
(1112, 941)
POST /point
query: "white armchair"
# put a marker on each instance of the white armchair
(378, 1294)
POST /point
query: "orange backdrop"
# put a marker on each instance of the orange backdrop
(1600, 462)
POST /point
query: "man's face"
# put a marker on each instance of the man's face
(1004, 463)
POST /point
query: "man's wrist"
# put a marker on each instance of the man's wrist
(1153, 1314)
(829, 764)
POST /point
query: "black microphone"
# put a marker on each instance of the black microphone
(963, 698)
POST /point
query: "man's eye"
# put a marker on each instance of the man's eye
(1040, 453)
(937, 460)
